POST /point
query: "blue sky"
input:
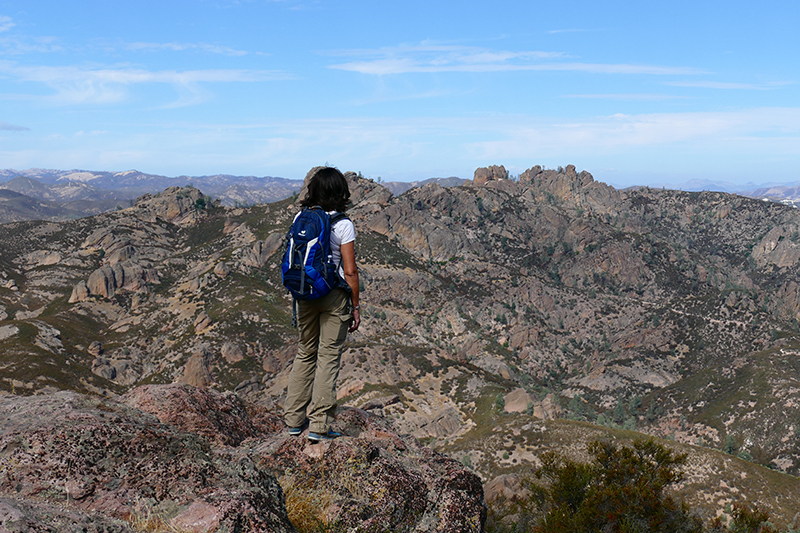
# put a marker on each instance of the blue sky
(634, 92)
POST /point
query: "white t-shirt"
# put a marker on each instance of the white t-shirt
(343, 232)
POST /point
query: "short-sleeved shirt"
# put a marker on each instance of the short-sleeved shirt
(343, 232)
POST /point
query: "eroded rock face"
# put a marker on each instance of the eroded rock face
(204, 461)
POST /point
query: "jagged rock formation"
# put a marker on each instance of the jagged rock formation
(487, 174)
(203, 461)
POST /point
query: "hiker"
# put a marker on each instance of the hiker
(323, 321)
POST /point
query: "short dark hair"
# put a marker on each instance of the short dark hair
(328, 189)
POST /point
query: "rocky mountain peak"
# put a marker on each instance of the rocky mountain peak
(178, 205)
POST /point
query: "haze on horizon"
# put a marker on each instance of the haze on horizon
(636, 93)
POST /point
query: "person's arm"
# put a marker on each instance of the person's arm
(348, 252)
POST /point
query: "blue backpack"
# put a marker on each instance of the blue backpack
(308, 270)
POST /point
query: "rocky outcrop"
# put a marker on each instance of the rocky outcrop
(567, 185)
(491, 173)
(373, 480)
(201, 461)
(104, 459)
(106, 280)
(779, 247)
(257, 255)
(222, 269)
(222, 418)
(197, 371)
(179, 205)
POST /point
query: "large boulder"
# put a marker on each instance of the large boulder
(106, 280)
(110, 460)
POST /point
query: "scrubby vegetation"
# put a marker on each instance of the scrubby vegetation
(622, 490)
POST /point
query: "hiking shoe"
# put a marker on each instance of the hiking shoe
(295, 432)
(316, 437)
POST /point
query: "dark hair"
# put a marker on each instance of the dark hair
(328, 189)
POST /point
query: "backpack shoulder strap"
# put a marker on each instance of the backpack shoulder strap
(337, 217)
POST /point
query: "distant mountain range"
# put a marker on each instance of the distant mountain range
(46, 194)
(122, 188)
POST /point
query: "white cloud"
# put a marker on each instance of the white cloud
(5, 23)
(626, 96)
(55, 75)
(407, 66)
(180, 47)
(726, 85)
(722, 130)
(108, 85)
(730, 143)
(435, 58)
(571, 30)
(411, 142)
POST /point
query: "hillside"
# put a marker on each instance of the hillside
(554, 296)
(15, 206)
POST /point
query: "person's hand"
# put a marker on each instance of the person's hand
(355, 321)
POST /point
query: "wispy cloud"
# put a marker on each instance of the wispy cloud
(5, 126)
(181, 47)
(75, 85)
(6, 23)
(728, 85)
(654, 97)
(406, 66)
(520, 137)
(569, 30)
(131, 75)
(619, 132)
(20, 44)
(435, 58)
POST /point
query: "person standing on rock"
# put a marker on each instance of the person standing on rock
(324, 322)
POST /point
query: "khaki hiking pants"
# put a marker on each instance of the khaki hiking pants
(311, 393)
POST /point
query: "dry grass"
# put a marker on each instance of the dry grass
(307, 505)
